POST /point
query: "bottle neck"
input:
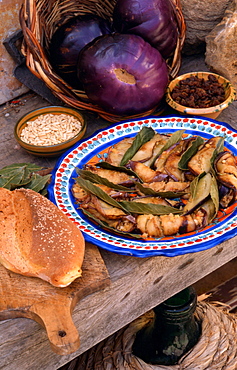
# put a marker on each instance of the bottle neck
(173, 331)
(179, 307)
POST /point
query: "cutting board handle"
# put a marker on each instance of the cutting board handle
(62, 333)
(33, 298)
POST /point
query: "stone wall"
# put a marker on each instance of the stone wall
(200, 18)
(221, 45)
(211, 28)
(10, 87)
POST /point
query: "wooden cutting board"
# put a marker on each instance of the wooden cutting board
(36, 299)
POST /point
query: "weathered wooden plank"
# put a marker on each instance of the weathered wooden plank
(36, 299)
(218, 277)
(137, 285)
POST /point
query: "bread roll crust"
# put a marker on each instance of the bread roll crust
(38, 239)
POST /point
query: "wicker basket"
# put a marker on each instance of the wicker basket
(215, 350)
(39, 19)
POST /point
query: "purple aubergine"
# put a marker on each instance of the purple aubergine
(225, 165)
(227, 196)
(70, 38)
(123, 74)
(151, 19)
(208, 211)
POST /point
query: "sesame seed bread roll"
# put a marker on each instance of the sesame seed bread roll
(37, 239)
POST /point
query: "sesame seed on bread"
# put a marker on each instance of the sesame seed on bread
(37, 239)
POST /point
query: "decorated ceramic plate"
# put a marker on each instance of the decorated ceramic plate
(95, 149)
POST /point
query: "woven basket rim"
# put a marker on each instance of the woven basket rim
(38, 22)
(216, 348)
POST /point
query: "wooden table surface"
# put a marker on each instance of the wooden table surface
(137, 284)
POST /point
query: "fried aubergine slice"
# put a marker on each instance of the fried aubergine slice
(156, 200)
(166, 165)
(202, 160)
(159, 164)
(79, 193)
(150, 148)
(174, 186)
(167, 225)
(226, 169)
(152, 200)
(171, 163)
(82, 195)
(145, 173)
(114, 217)
(103, 208)
(116, 177)
(227, 196)
(117, 151)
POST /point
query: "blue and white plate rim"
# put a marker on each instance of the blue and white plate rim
(59, 189)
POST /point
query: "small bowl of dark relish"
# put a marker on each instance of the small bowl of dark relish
(200, 93)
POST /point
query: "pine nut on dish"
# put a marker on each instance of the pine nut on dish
(50, 131)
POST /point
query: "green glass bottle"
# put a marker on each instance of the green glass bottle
(173, 331)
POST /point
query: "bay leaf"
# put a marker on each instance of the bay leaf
(24, 175)
(194, 184)
(190, 152)
(143, 136)
(173, 139)
(96, 179)
(38, 182)
(200, 193)
(214, 192)
(149, 208)
(13, 180)
(93, 189)
(218, 149)
(104, 224)
(163, 194)
(109, 166)
(209, 209)
(16, 166)
(129, 207)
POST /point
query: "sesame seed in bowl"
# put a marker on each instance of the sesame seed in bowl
(50, 131)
